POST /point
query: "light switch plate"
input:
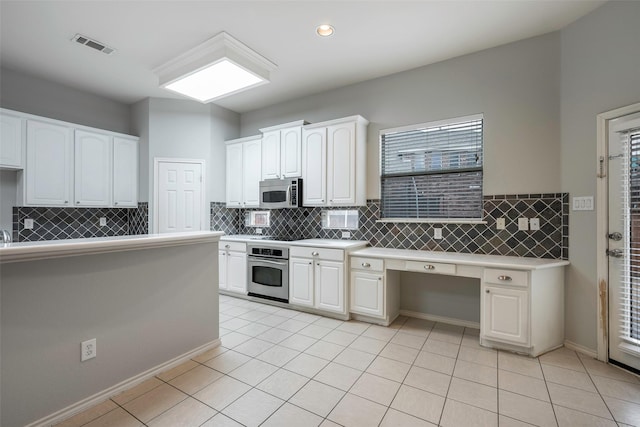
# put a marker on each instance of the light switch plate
(28, 224)
(534, 223)
(584, 203)
(437, 233)
(501, 224)
(523, 224)
(103, 222)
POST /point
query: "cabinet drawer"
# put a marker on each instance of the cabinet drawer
(430, 267)
(232, 246)
(506, 277)
(367, 264)
(319, 253)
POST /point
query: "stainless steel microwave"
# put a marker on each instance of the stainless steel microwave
(281, 193)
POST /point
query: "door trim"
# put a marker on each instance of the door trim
(156, 179)
(602, 224)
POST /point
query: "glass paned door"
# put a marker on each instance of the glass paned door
(624, 240)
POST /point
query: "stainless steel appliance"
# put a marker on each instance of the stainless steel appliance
(281, 193)
(268, 271)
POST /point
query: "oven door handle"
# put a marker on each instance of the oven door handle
(283, 264)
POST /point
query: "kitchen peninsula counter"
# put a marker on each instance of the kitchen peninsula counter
(150, 302)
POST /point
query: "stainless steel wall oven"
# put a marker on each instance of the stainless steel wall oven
(268, 272)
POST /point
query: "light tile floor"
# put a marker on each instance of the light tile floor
(279, 367)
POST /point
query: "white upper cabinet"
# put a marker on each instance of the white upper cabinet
(251, 157)
(282, 151)
(93, 159)
(314, 167)
(49, 168)
(334, 162)
(11, 140)
(125, 172)
(243, 172)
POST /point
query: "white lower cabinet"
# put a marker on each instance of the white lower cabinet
(367, 293)
(317, 278)
(506, 314)
(232, 268)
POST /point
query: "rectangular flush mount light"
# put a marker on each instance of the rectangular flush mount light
(219, 67)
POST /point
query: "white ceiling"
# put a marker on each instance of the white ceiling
(372, 39)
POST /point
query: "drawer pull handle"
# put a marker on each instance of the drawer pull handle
(314, 253)
(505, 278)
(429, 267)
(366, 265)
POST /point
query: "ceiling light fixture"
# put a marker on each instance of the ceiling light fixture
(325, 30)
(219, 67)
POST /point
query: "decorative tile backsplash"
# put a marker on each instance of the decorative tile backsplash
(73, 223)
(551, 241)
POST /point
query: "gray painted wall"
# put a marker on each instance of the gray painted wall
(144, 308)
(516, 86)
(446, 296)
(34, 95)
(600, 65)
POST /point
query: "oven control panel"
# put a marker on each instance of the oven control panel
(270, 252)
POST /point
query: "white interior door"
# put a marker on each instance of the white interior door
(624, 240)
(179, 196)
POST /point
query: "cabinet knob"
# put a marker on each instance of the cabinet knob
(77, 202)
(487, 291)
(505, 278)
(322, 200)
(379, 278)
(227, 246)
(366, 265)
(429, 267)
(66, 201)
(115, 203)
(310, 263)
(314, 253)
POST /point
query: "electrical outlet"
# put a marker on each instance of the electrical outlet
(103, 222)
(501, 224)
(437, 233)
(534, 223)
(258, 230)
(88, 350)
(28, 224)
(346, 234)
(523, 224)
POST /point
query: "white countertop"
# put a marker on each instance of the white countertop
(492, 261)
(24, 251)
(323, 243)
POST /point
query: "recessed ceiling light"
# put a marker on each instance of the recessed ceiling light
(219, 67)
(325, 30)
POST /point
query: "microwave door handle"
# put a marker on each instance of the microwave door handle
(289, 195)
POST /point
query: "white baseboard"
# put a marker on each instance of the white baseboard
(442, 319)
(105, 394)
(581, 349)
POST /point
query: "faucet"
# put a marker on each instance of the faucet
(6, 236)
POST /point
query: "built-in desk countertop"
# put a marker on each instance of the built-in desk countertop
(521, 299)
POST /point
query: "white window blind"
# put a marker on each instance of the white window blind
(630, 307)
(433, 170)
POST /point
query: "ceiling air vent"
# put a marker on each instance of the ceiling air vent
(79, 38)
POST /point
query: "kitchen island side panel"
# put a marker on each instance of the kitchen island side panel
(144, 307)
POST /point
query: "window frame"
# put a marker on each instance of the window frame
(432, 124)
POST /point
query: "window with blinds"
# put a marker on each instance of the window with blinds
(631, 279)
(432, 170)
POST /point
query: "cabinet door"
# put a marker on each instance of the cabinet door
(222, 269)
(505, 314)
(125, 173)
(329, 286)
(234, 176)
(314, 166)
(92, 169)
(49, 164)
(11, 135)
(290, 152)
(367, 293)
(341, 164)
(251, 159)
(271, 155)
(301, 281)
(237, 272)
